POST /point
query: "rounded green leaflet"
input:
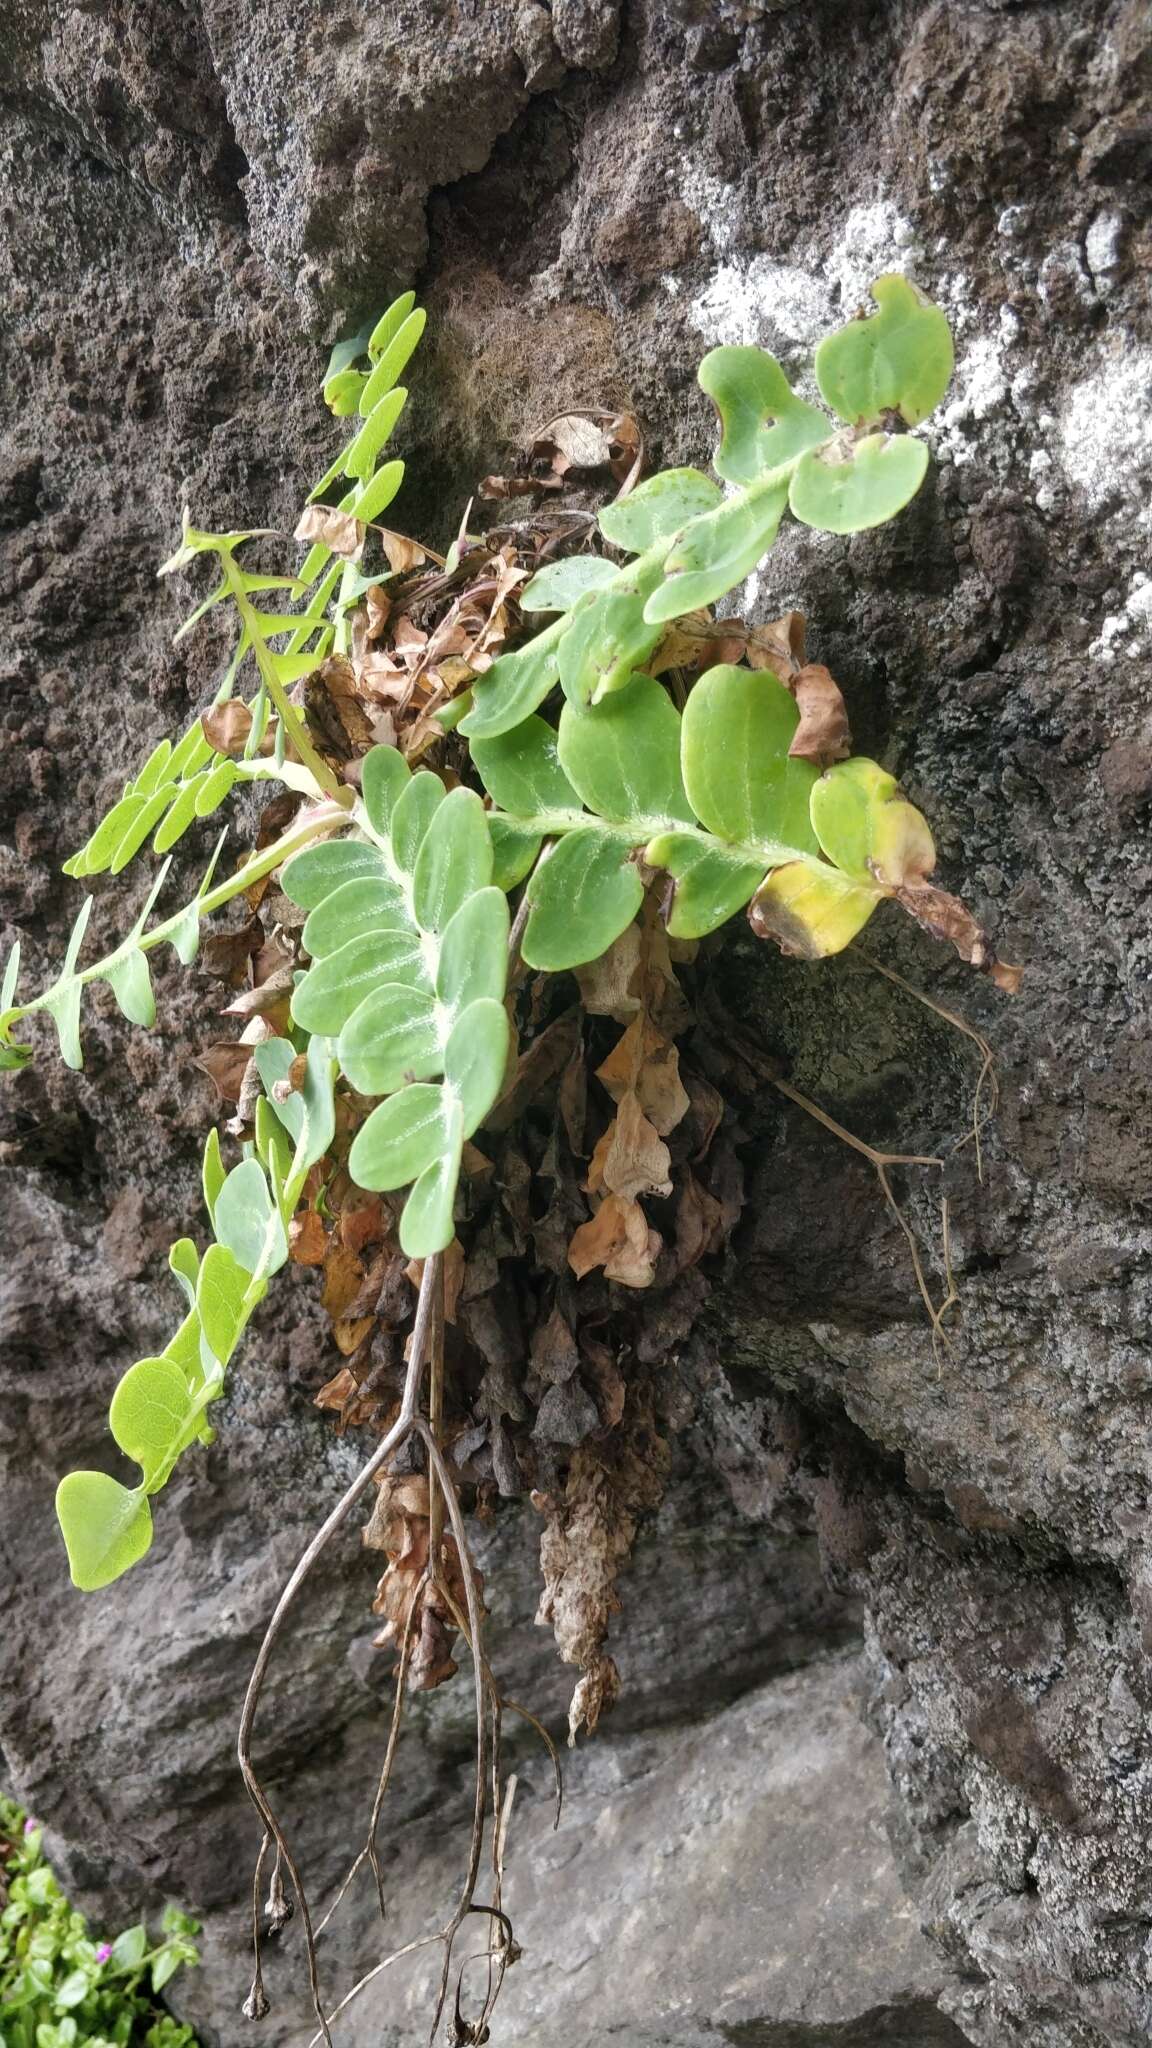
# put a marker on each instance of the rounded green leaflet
(106, 1527)
(373, 903)
(521, 770)
(737, 728)
(361, 453)
(711, 882)
(392, 359)
(609, 636)
(762, 422)
(246, 1222)
(515, 685)
(514, 850)
(378, 492)
(384, 775)
(141, 825)
(401, 1138)
(428, 1223)
(558, 586)
(582, 898)
(393, 1037)
(877, 481)
(455, 858)
(717, 551)
(215, 787)
(656, 510)
(412, 813)
(311, 875)
(868, 828)
(342, 392)
(389, 323)
(308, 1113)
(153, 1417)
(99, 849)
(336, 985)
(131, 983)
(623, 758)
(899, 359)
(221, 1287)
(474, 951)
(475, 1059)
(180, 815)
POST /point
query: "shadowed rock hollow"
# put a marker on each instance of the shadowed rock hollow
(196, 197)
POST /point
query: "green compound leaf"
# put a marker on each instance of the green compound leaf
(107, 1527)
(875, 483)
(582, 899)
(308, 1114)
(373, 903)
(559, 586)
(867, 827)
(247, 1221)
(475, 1059)
(384, 776)
(153, 1418)
(514, 686)
(897, 360)
(393, 1036)
(738, 726)
(657, 509)
(336, 986)
(712, 881)
(609, 636)
(521, 770)
(763, 423)
(623, 759)
(718, 550)
(454, 860)
(221, 1300)
(401, 1138)
(474, 951)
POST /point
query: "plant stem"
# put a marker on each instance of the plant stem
(290, 718)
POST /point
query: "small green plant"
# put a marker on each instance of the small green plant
(61, 1989)
(631, 808)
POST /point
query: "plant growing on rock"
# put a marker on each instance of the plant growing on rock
(391, 1040)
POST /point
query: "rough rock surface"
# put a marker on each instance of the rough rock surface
(193, 195)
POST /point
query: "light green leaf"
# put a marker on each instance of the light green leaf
(130, 1948)
(139, 828)
(712, 881)
(247, 1222)
(474, 951)
(311, 875)
(737, 728)
(384, 774)
(658, 509)
(428, 1225)
(455, 858)
(559, 585)
(180, 816)
(391, 1038)
(153, 1418)
(582, 898)
(392, 359)
(342, 392)
(184, 938)
(361, 453)
(718, 550)
(64, 1009)
(184, 1262)
(515, 685)
(11, 977)
(221, 1288)
(156, 771)
(868, 828)
(336, 985)
(309, 1112)
(763, 423)
(401, 1138)
(389, 324)
(374, 903)
(95, 855)
(378, 492)
(871, 487)
(106, 1527)
(475, 1059)
(412, 813)
(212, 1173)
(897, 360)
(623, 759)
(521, 770)
(76, 936)
(131, 984)
(608, 637)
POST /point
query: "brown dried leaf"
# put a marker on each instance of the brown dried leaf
(338, 530)
(778, 646)
(822, 735)
(536, 1070)
(698, 641)
(631, 1158)
(343, 1278)
(227, 726)
(610, 986)
(225, 955)
(573, 442)
(378, 606)
(554, 1354)
(949, 919)
(307, 1239)
(617, 1237)
(645, 1060)
(225, 1064)
(270, 1000)
(403, 554)
(699, 1224)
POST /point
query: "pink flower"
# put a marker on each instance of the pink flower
(30, 1826)
(104, 1951)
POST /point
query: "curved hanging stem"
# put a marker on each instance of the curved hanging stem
(406, 1420)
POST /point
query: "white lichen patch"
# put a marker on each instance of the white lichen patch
(1126, 631)
(1105, 435)
(775, 305)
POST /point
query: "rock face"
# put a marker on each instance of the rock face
(590, 195)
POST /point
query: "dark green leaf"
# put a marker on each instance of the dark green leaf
(582, 898)
(737, 728)
(521, 770)
(623, 758)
